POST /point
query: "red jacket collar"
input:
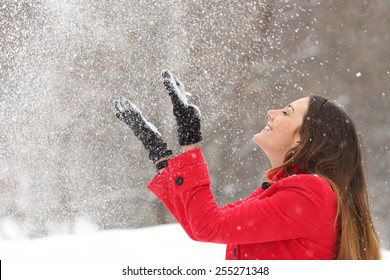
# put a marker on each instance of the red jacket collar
(279, 174)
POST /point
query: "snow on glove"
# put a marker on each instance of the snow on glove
(145, 131)
(187, 115)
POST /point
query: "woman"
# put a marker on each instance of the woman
(313, 204)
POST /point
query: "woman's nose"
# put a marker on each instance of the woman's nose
(271, 114)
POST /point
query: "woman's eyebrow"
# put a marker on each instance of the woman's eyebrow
(291, 107)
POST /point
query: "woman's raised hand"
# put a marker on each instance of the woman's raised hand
(187, 115)
(145, 131)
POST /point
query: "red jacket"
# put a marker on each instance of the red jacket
(293, 219)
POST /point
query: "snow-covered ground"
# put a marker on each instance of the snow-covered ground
(157, 242)
(165, 242)
(109, 254)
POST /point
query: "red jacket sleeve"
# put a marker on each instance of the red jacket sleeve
(189, 167)
(293, 207)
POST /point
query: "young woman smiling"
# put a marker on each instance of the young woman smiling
(312, 205)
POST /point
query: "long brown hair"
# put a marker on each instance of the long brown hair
(330, 147)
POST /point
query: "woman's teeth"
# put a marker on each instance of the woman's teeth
(268, 128)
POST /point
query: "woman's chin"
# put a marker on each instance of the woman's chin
(257, 138)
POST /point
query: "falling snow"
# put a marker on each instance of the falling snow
(64, 156)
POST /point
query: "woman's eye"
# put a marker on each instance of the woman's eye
(284, 113)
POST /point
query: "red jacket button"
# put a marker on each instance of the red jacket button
(179, 181)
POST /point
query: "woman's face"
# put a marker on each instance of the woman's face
(282, 130)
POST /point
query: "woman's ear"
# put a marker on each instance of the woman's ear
(296, 144)
(296, 139)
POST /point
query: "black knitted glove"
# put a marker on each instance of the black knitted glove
(187, 115)
(144, 131)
